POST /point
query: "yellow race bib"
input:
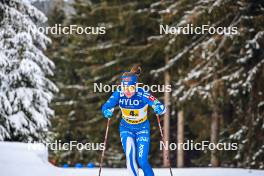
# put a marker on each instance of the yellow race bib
(135, 116)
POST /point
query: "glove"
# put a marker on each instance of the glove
(108, 113)
(159, 109)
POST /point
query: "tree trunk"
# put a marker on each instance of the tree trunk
(180, 138)
(214, 136)
(250, 121)
(166, 122)
(215, 121)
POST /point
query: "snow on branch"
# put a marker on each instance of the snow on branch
(25, 91)
(178, 56)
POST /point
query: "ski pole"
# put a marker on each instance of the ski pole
(163, 140)
(103, 152)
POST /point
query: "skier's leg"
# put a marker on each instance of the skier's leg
(128, 143)
(142, 144)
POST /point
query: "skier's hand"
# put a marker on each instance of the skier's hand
(159, 109)
(108, 113)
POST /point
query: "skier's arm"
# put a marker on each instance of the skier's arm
(108, 107)
(158, 107)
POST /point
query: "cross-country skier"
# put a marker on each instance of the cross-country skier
(134, 126)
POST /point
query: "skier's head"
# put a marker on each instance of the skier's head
(129, 81)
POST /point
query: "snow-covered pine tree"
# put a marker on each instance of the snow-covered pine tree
(25, 90)
(224, 68)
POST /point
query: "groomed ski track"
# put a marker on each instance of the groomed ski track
(20, 159)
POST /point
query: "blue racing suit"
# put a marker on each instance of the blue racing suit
(134, 127)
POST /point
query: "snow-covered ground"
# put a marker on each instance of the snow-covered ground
(19, 159)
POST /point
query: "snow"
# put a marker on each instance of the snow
(261, 104)
(25, 90)
(32, 159)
